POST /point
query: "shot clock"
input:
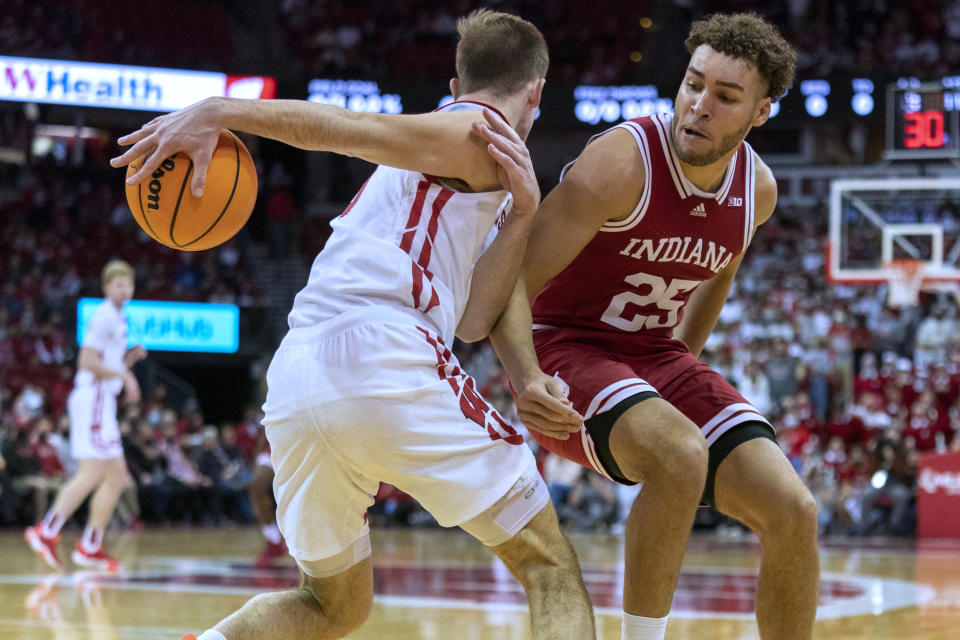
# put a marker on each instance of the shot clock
(923, 121)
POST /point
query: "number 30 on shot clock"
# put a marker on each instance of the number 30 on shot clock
(922, 122)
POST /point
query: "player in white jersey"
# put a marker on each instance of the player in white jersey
(103, 371)
(364, 387)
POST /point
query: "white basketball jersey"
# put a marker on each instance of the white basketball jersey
(107, 333)
(404, 248)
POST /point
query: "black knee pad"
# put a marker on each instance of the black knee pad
(599, 427)
(726, 443)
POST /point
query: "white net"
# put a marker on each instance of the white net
(905, 282)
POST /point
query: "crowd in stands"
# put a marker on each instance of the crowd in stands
(182, 470)
(136, 33)
(598, 43)
(595, 43)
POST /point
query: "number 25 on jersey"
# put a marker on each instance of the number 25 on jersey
(661, 296)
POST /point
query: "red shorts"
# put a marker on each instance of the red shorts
(602, 370)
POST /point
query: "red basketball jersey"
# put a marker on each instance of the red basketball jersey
(636, 274)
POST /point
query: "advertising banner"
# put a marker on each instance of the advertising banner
(173, 326)
(938, 496)
(115, 86)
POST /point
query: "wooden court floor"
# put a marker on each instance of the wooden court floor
(442, 585)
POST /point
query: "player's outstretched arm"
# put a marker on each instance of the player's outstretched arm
(706, 302)
(497, 269)
(441, 144)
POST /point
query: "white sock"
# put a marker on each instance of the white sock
(211, 634)
(51, 524)
(91, 540)
(636, 628)
(272, 533)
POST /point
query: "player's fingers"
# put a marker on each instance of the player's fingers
(505, 160)
(150, 165)
(560, 418)
(500, 126)
(139, 149)
(135, 136)
(545, 428)
(515, 149)
(201, 162)
(555, 410)
(518, 154)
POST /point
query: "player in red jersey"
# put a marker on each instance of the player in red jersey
(631, 258)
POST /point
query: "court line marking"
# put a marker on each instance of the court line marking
(58, 625)
(878, 595)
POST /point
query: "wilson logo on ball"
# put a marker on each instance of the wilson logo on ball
(153, 198)
(167, 211)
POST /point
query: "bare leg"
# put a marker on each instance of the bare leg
(106, 496)
(757, 485)
(320, 609)
(89, 474)
(261, 495)
(655, 444)
(546, 565)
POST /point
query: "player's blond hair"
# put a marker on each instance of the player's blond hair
(113, 269)
(750, 37)
(499, 52)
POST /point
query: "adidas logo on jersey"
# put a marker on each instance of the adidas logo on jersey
(700, 211)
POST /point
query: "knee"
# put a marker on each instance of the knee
(540, 556)
(677, 463)
(794, 516)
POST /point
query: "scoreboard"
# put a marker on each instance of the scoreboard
(923, 121)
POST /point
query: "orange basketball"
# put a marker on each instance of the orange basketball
(164, 206)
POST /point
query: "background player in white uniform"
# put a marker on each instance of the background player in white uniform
(364, 387)
(103, 371)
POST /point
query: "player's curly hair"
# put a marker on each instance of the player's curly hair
(499, 52)
(750, 37)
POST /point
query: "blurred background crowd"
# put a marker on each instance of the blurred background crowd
(857, 390)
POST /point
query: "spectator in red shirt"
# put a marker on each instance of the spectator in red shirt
(868, 379)
(845, 426)
(50, 464)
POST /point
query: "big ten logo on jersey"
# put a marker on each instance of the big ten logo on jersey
(733, 201)
(474, 407)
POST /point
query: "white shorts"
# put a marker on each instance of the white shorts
(351, 407)
(93, 422)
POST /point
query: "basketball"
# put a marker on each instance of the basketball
(166, 209)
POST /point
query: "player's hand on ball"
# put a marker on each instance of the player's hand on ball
(542, 406)
(515, 168)
(193, 131)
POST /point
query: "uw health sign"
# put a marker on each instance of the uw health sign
(115, 86)
(173, 326)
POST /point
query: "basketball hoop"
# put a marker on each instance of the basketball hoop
(905, 282)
